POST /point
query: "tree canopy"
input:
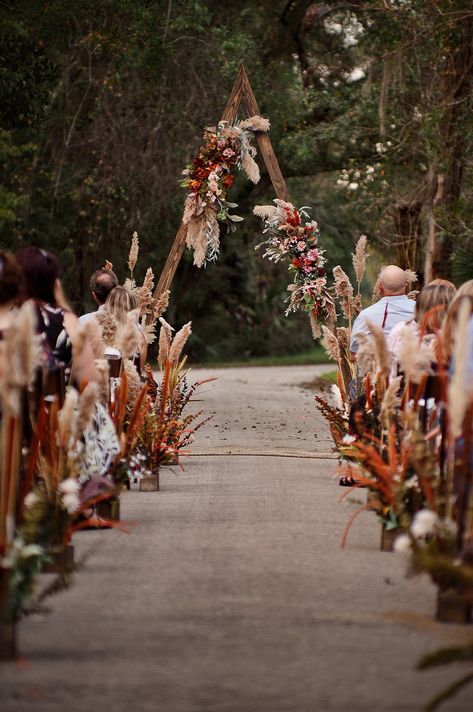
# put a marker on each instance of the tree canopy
(103, 103)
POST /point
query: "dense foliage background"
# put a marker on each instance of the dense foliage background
(103, 102)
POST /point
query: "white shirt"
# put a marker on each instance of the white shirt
(386, 313)
(90, 315)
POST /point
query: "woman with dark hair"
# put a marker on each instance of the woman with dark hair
(56, 320)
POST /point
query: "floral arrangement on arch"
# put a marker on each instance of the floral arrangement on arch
(208, 178)
(290, 238)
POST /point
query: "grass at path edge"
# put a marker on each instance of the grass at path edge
(313, 357)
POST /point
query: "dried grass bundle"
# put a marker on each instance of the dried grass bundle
(128, 338)
(179, 342)
(145, 293)
(314, 326)
(250, 167)
(383, 355)
(254, 123)
(212, 232)
(86, 405)
(366, 358)
(93, 333)
(415, 356)
(67, 419)
(134, 382)
(165, 339)
(161, 305)
(21, 354)
(109, 327)
(344, 291)
(359, 259)
(330, 344)
(103, 370)
(264, 211)
(190, 207)
(391, 401)
(133, 255)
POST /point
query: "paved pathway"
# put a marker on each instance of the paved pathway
(232, 593)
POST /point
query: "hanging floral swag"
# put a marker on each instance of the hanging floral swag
(210, 176)
(289, 238)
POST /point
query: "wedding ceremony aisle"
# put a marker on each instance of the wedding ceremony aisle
(232, 593)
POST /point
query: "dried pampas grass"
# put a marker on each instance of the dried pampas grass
(383, 355)
(165, 340)
(250, 167)
(128, 339)
(21, 355)
(133, 255)
(133, 382)
(66, 419)
(254, 123)
(162, 304)
(93, 332)
(359, 259)
(330, 344)
(392, 400)
(264, 212)
(366, 360)
(179, 342)
(101, 364)
(415, 356)
(344, 291)
(314, 326)
(109, 327)
(87, 401)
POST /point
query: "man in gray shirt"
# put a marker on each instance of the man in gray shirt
(393, 307)
(101, 284)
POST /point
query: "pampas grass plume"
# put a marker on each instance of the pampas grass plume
(66, 418)
(359, 258)
(330, 344)
(133, 256)
(94, 334)
(382, 352)
(128, 340)
(179, 342)
(87, 401)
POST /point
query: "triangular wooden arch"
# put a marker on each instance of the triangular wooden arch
(241, 94)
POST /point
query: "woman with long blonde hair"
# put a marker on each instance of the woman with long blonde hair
(119, 303)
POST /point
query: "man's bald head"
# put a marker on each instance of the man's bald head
(393, 280)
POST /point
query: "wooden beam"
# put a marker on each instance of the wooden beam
(264, 142)
(241, 93)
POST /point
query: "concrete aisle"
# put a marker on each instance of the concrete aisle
(232, 593)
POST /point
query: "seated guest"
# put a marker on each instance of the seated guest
(56, 321)
(119, 303)
(101, 284)
(393, 307)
